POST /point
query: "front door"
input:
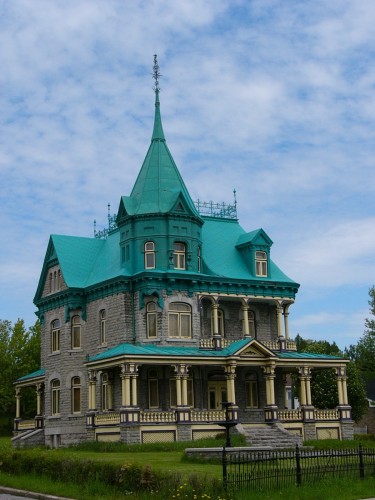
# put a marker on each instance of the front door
(217, 395)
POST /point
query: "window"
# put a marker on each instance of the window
(179, 255)
(55, 397)
(220, 321)
(173, 392)
(179, 320)
(76, 332)
(149, 255)
(103, 333)
(106, 393)
(261, 263)
(152, 320)
(199, 260)
(55, 336)
(153, 389)
(50, 283)
(251, 391)
(251, 318)
(76, 395)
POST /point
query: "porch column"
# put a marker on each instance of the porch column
(134, 390)
(18, 402)
(270, 411)
(245, 314)
(230, 374)
(342, 386)
(215, 317)
(279, 312)
(178, 391)
(182, 411)
(38, 399)
(125, 386)
(305, 385)
(286, 321)
(92, 390)
(305, 396)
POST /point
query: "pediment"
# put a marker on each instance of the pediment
(254, 349)
(180, 205)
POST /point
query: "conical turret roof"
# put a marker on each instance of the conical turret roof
(159, 183)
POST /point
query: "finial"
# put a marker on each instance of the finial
(156, 74)
(235, 198)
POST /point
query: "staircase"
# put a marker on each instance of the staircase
(270, 436)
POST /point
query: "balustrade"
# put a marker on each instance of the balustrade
(107, 419)
(207, 416)
(327, 414)
(157, 417)
(290, 415)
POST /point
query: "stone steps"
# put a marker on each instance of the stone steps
(272, 436)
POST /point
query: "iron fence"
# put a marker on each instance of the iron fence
(268, 469)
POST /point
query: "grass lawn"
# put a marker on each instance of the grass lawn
(168, 458)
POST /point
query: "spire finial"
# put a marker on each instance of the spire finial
(156, 74)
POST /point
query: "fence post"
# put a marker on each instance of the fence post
(361, 464)
(224, 462)
(298, 467)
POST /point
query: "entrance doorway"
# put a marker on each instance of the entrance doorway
(217, 395)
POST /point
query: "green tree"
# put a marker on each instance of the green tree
(363, 353)
(19, 354)
(324, 392)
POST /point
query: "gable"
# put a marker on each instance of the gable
(258, 238)
(254, 349)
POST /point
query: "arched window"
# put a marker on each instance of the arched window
(103, 332)
(76, 332)
(220, 322)
(50, 283)
(179, 320)
(76, 395)
(55, 336)
(261, 263)
(107, 402)
(252, 391)
(153, 389)
(55, 385)
(152, 320)
(150, 255)
(179, 255)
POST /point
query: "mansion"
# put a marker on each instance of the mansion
(152, 324)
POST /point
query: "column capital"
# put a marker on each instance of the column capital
(181, 369)
(304, 371)
(92, 376)
(269, 371)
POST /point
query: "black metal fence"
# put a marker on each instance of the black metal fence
(265, 469)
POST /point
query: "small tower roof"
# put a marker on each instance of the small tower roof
(159, 182)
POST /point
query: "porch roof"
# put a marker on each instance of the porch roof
(155, 350)
(306, 355)
(38, 373)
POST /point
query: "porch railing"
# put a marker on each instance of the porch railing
(196, 416)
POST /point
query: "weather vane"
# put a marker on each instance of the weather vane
(156, 73)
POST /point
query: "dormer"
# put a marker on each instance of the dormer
(255, 250)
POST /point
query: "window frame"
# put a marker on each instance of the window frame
(55, 336)
(103, 327)
(180, 316)
(106, 393)
(179, 255)
(153, 389)
(76, 332)
(150, 253)
(252, 391)
(151, 312)
(76, 393)
(55, 397)
(261, 263)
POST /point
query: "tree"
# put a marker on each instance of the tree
(324, 392)
(363, 353)
(20, 355)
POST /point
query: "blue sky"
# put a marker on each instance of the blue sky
(273, 98)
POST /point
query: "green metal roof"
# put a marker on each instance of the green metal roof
(220, 255)
(305, 355)
(37, 373)
(159, 182)
(155, 350)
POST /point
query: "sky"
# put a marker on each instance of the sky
(272, 98)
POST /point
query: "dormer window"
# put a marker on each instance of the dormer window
(149, 255)
(261, 264)
(179, 255)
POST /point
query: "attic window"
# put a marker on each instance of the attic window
(261, 264)
(180, 208)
